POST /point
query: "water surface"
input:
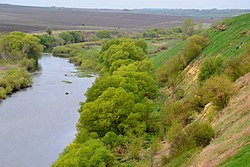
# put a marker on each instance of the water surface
(37, 123)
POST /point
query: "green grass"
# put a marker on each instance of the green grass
(184, 159)
(174, 48)
(220, 42)
(240, 159)
(226, 42)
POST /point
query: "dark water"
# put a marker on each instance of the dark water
(37, 123)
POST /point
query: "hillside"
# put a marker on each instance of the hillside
(219, 61)
(29, 19)
(226, 42)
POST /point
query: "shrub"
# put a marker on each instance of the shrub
(102, 158)
(170, 72)
(197, 134)
(92, 153)
(3, 93)
(238, 66)
(218, 89)
(211, 66)
(111, 139)
(27, 63)
(103, 34)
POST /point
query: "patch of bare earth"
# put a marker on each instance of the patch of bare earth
(164, 150)
(232, 126)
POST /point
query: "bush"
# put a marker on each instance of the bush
(197, 134)
(27, 63)
(112, 140)
(14, 80)
(238, 66)
(3, 93)
(92, 153)
(170, 72)
(103, 34)
(219, 90)
(211, 66)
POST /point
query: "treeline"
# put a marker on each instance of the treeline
(85, 55)
(19, 53)
(117, 113)
(188, 28)
(52, 39)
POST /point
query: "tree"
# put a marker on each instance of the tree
(18, 45)
(188, 26)
(49, 30)
(66, 37)
(124, 50)
(115, 111)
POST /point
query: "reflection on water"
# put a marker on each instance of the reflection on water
(37, 123)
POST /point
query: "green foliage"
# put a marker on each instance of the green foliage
(188, 27)
(233, 67)
(112, 140)
(126, 51)
(172, 131)
(85, 55)
(194, 135)
(162, 33)
(14, 80)
(211, 66)
(103, 34)
(132, 78)
(170, 72)
(48, 41)
(115, 111)
(219, 90)
(238, 66)
(29, 64)
(17, 45)
(92, 153)
(67, 38)
(182, 160)
(3, 93)
(49, 30)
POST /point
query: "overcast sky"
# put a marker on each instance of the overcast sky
(187, 4)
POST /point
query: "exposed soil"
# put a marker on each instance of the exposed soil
(31, 19)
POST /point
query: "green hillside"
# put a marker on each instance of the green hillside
(209, 87)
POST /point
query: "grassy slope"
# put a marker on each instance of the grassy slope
(232, 128)
(241, 159)
(159, 58)
(226, 42)
(232, 125)
(220, 42)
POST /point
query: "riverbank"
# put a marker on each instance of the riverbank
(14, 75)
(37, 123)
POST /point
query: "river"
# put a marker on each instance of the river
(37, 123)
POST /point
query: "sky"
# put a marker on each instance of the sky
(132, 4)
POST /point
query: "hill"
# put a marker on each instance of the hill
(204, 13)
(219, 61)
(29, 19)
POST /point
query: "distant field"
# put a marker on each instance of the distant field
(30, 19)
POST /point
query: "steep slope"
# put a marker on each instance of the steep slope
(231, 124)
(228, 42)
(232, 127)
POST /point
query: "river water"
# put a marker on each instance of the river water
(37, 123)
